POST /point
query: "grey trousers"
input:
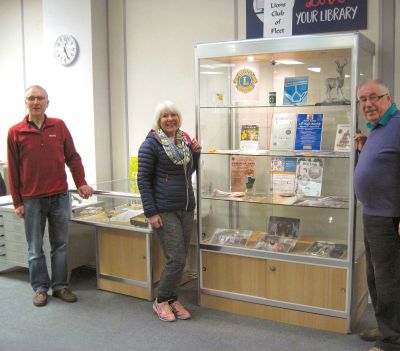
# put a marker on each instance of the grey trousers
(382, 245)
(174, 237)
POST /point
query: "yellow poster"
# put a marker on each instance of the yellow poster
(133, 172)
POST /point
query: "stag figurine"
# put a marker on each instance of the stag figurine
(338, 82)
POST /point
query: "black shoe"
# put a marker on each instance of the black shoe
(370, 334)
(65, 294)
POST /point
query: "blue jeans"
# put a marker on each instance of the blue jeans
(56, 209)
(174, 238)
(382, 247)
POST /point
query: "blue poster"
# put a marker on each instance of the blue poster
(308, 132)
(295, 90)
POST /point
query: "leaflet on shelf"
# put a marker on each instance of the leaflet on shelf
(309, 132)
(249, 135)
(283, 171)
(343, 138)
(283, 131)
(309, 176)
(241, 168)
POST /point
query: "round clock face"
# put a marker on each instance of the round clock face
(66, 49)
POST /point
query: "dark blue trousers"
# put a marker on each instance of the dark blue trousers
(382, 245)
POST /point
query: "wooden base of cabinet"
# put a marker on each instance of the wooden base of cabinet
(299, 318)
(124, 288)
(131, 263)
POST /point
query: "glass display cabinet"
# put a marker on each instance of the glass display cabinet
(129, 258)
(280, 232)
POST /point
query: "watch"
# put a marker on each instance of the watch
(66, 49)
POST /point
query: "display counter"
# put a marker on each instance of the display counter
(129, 258)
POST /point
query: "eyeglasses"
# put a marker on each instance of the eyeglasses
(371, 98)
(33, 98)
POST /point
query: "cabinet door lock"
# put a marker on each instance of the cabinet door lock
(204, 269)
(272, 268)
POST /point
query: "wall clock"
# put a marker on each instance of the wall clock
(66, 49)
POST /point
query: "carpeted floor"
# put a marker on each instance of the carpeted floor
(104, 321)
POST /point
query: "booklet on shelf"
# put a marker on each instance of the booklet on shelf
(295, 90)
(309, 132)
(230, 237)
(328, 201)
(249, 135)
(283, 226)
(326, 249)
(343, 138)
(283, 131)
(309, 176)
(283, 170)
(241, 168)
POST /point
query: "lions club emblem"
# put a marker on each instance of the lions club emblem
(245, 80)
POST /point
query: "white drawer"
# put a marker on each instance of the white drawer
(14, 226)
(17, 257)
(17, 246)
(2, 250)
(1, 219)
(15, 236)
(10, 216)
(2, 230)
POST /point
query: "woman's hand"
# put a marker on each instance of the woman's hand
(155, 221)
(196, 147)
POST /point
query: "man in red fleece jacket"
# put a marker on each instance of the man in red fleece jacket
(39, 147)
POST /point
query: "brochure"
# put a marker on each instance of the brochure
(295, 91)
(283, 131)
(309, 176)
(241, 168)
(283, 170)
(343, 138)
(249, 137)
(309, 132)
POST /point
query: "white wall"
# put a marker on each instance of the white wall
(160, 39)
(11, 69)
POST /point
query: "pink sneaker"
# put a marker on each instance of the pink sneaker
(180, 311)
(163, 311)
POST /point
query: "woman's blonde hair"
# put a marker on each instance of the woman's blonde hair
(163, 108)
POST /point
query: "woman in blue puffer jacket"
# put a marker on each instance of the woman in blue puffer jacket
(167, 160)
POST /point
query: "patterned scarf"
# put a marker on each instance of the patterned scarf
(179, 152)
